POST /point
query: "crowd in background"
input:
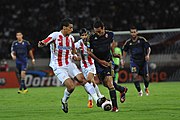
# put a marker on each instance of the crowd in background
(37, 18)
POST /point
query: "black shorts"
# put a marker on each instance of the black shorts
(141, 68)
(102, 71)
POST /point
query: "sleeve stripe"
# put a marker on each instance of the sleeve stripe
(47, 40)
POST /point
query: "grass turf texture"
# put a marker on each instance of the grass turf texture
(43, 103)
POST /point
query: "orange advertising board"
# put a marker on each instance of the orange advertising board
(8, 80)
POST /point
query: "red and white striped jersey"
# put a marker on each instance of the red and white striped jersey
(60, 47)
(86, 59)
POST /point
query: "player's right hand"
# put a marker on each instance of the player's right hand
(14, 57)
(33, 61)
(40, 44)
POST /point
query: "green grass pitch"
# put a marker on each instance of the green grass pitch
(43, 103)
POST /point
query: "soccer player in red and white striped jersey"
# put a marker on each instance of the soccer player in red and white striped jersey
(63, 53)
(87, 63)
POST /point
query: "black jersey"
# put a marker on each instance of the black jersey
(101, 45)
(137, 49)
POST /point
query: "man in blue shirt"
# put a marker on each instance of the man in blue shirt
(101, 45)
(139, 50)
(19, 52)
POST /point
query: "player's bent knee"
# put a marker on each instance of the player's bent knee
(71, 87)
(109, 84)
(69, 83)
(80, 78)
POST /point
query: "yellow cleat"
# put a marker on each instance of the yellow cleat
(90, 103)
(25, 91)
(20, 91)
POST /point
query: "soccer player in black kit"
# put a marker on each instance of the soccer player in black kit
(100, 45)
(139, 50)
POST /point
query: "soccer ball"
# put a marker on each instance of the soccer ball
(107, 105)
(153, 66)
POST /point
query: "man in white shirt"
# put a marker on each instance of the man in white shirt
(87, 63)
(63, 53)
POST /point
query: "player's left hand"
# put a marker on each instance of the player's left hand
(33, 61)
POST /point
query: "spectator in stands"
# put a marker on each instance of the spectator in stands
(27, 15)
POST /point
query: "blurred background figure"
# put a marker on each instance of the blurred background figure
(117, 60)
(4, 65)
(19, 52)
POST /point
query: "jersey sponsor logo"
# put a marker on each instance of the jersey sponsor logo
(133, 69)
(108, 73)
(64, 48)
(138, 41)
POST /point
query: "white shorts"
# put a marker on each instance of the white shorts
(89, 69)
(65, 72)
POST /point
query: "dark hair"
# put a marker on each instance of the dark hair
(83, 30)
(133, 27)
(65, 22)
(98, 23)
(19, 32)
